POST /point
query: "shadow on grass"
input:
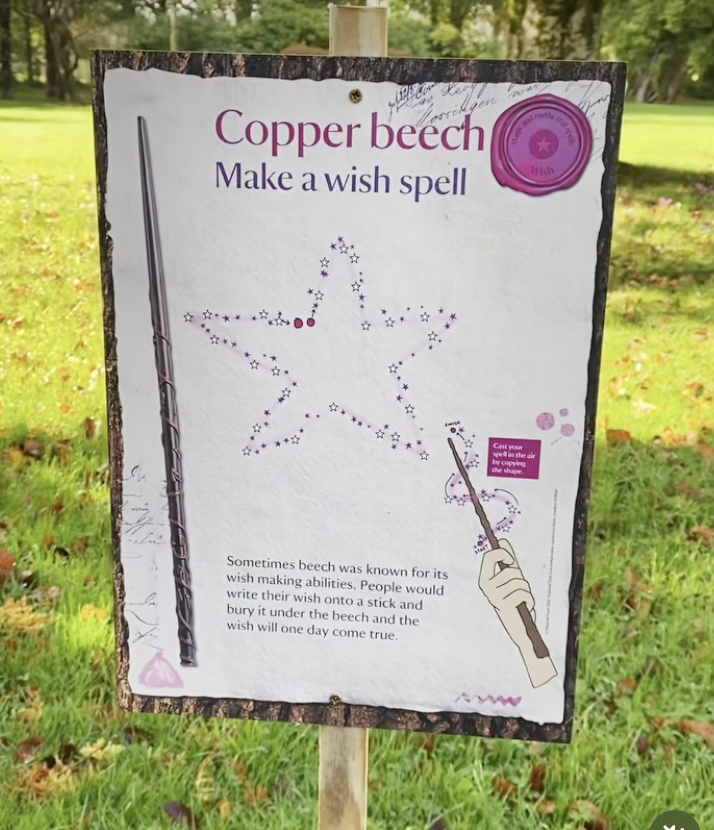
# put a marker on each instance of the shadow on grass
(652, 490)
(661, 230)
(641, 177)
(25, 95)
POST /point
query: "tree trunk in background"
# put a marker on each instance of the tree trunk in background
(173, 32)
(27, 37)
(553, 29)
(243, 10)
(51, 68)
(60, 55)
(5, 50)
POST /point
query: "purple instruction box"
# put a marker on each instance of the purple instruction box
(513, 457)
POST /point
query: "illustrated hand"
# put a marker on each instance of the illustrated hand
(507, 589)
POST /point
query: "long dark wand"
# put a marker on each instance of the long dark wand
(169, 411)
(540, 648)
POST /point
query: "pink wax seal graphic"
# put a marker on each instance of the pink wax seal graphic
(158, 673)
(541, 145)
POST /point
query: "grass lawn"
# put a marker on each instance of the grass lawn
(644, 738)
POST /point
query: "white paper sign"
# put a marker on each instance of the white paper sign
(380, 321)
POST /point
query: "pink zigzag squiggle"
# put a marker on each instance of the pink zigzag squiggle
(505, 701)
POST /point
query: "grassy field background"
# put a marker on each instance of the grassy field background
(644, 738)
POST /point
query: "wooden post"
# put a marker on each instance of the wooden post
(361, 32)
(358, 31)
(343, 778)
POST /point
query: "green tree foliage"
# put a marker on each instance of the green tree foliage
(667, 43)
(551, 29)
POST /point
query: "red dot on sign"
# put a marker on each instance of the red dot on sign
(453, 429)
(298, 323)
(311, 321)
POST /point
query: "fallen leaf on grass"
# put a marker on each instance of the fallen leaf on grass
(703, 534)
(617, 436)
(67, 753)
(702, 333)
(90, 611)
(180, 814)
(62, 553)
(636, 599)
(590, 814)
(62, 451)
(81, 545)
(537, 778)
(29, 579)
(134, 734)
(694, 727)
(7, 566)
(255, 796)
(15, 457)
(696, 387)
(438, 823)
(626, 686)
(641, 607)
(425, 741)
(595, 590)
(28, 749)
(706, 451)
(681, 488)
(45, 596)
(30, 714)
(33, 448)
(546, 808)
(92, 428)
(18, 616)
(101, 751)
(42, 780)
(225, 809)
(642, 745)
(504, 787)
(241, 769)
(633, 580)
(205, 784)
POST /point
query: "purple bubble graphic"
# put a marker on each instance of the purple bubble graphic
(545, 421)
(541, 145)
(568, 430)
(564, 413)
(158, 673)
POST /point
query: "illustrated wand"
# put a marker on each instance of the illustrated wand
(169, 411)
(539, 647)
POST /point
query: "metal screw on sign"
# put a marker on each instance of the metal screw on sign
(674, 820)
(355, 96)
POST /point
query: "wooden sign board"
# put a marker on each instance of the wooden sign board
(353, 314)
